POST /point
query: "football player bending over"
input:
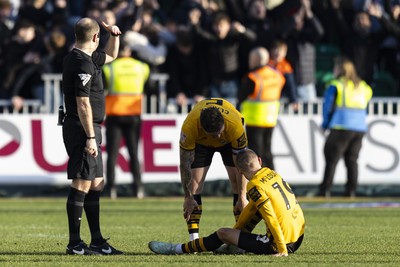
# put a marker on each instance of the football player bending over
(269, 196)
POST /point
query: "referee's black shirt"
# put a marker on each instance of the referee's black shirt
(82, 78)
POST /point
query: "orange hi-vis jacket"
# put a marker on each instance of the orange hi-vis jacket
(283, 66)
(261, 108)
(125, 79)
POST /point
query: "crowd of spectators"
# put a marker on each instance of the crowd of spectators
(203, 45)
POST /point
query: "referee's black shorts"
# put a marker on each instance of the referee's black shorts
(203, 155)
(81, 164)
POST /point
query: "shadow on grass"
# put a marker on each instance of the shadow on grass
(52, 253)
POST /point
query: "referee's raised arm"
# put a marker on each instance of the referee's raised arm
(112, 46)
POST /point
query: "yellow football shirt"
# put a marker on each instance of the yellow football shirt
(273, 198)
(192, 133)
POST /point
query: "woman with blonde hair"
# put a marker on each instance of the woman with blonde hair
(345, 69)
(344, 115)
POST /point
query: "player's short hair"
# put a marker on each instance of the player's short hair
(85, 28)
(246, 159)
(211, 120)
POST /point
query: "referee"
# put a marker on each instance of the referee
(85, 107)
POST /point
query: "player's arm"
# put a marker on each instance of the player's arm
(86, 118)
(241, 185)
(264, 206)
(186, 160)
(238, 143)
(245, 216)
(112, 45)
(267, 212)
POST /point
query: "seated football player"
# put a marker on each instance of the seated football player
(269, 196)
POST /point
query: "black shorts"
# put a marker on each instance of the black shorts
(261, 244)
(203, 155)
(81, 164)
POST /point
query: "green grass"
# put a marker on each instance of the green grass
(34, 233)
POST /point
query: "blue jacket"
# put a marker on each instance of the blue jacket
(345, 106)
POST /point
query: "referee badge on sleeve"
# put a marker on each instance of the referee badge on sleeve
(85, 78)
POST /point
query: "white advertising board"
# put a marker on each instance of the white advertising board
(32, 151)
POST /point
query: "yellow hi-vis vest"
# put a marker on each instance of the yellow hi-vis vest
(350, 106)
(125, 78)
(355, 98)
(261, 108)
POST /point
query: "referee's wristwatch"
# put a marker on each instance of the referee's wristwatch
(91, 137)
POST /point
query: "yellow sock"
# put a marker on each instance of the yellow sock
(202, 244)
(193, 224)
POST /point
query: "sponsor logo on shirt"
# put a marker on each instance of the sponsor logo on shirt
(242, 140)
(254, 194)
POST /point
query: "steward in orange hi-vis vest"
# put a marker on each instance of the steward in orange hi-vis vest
(261, 108)
(125, 79)
(259, 101)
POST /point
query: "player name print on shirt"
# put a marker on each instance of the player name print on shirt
(84, 78)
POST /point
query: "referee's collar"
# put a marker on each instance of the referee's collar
(86, 53)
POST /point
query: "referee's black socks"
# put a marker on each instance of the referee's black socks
(75, 204)
(92, 210)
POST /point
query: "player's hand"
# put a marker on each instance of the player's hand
(280, 255)
(240, 204)
(189, 205)
(113, 29)
(91, 147)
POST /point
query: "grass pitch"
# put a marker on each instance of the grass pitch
(34, 232)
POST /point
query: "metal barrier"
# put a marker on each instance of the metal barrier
(159, 101)
(160, 104)
(29, 106)
(52, 92)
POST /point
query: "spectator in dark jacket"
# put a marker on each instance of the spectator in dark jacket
(12, 58)
(359, 42)
(389, 17)
(301, 34)
(185, 67)
(221, 50)
(44, 57)
(36, 12)
(257, 19)
(6, 24)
